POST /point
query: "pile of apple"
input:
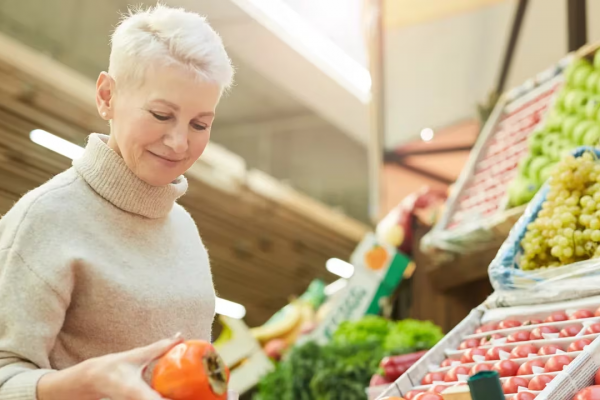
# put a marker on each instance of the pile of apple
(573, 121)
(527, 354)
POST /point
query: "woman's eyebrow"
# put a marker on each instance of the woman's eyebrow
(175, 107)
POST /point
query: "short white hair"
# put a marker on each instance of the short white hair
(168, 36)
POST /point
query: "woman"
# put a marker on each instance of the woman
(100, 266)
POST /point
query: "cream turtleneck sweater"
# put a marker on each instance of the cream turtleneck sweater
(93, 262)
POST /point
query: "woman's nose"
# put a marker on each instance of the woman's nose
(177, 140)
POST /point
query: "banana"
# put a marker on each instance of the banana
(225, 336)
(307, 315)
(281, 326)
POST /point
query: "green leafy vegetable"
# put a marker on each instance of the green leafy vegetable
(342, 369)
(368, 329)
(411, 335)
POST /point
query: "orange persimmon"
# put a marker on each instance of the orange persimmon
(192, 370)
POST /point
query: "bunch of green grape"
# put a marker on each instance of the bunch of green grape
(567, 228)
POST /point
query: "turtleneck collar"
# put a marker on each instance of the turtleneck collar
(106, 172)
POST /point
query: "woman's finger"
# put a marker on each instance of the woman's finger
(141, 391)
(147, 354)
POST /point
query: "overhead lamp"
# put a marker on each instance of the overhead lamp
(56, 144)
(229, 309)
(339, 267)
(427, 134)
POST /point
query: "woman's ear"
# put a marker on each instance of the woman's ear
(105, 87)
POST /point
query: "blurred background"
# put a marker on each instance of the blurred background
(346, 132)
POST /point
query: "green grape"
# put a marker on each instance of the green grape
(584, 219)
(568, 232)
(556, 251)
(562, 241)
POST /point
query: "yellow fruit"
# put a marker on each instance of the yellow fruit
(279, 328)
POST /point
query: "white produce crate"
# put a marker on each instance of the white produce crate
(574, 377)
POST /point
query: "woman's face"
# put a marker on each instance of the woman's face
(161, 127)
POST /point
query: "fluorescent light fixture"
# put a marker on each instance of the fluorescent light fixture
(339, 267)
(335, 287)
(282, 19)
(56, 144)
(427, 134)
(230, 309)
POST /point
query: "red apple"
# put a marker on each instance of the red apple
(509, 323)
(537, 333)
(557, 317)
(570, 331)
(549, 349)
(523, 350)
(527, 367)
(519, 336)
(467, 356)
(579, 345)
(581, 314)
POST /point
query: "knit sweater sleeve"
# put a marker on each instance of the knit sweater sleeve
(31, 315)
(36, 283)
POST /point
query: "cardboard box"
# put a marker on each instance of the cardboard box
(457, 393)
(364, 290)
(576, 376)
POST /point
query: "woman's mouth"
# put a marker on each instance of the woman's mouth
(166, 160)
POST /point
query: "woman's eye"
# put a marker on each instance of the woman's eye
(199, 127)
(160, 117)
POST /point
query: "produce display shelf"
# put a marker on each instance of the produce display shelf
(476, 211)
(567, 357)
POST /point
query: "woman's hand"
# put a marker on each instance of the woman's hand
(114, 376)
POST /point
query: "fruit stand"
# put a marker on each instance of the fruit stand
(537, 335)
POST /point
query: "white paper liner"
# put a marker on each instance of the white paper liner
(537, 370)
(550, 336)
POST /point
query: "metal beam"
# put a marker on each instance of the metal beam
(512, 44)
(576, 23)
(435, 150)
(374, 12)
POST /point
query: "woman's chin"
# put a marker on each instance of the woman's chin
(157, 178)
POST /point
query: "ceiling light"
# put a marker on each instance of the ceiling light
(277, 16)
(56, 144)
(339, 267)
(335, 287)
(229, 309)
(427, 134)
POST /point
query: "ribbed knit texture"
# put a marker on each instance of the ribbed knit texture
(93, 262)
(106, 172)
